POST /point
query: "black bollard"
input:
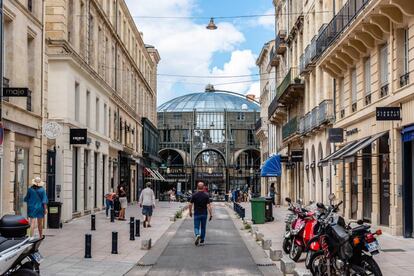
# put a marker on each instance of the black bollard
(88, 246)
(112, 215)
(131, 228)
(93, 219)
(114, 243)
(137, 228)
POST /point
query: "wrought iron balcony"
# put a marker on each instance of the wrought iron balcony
(325, 113)
(272, 108)
(404, 79)
(302, 125)
(308, 122)
(280, 42)
(29, 101)
(314, 118)
(290, 128)
(340, 21)
(258, 125)
(274, 59)
(290, 88)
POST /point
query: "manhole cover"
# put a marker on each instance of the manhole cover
(393, 250)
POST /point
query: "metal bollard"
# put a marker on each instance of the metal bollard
(114, 243)
(137, 228)
(93, 220)
(88, 246)
(112, 215)
(131, 228)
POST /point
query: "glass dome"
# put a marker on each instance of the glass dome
(209, 101)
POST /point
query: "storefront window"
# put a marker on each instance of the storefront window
(21, 180)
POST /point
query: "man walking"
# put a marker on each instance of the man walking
(147, 202)
(202, 207)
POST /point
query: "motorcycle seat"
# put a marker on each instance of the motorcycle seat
(360, 228)
(7, 243)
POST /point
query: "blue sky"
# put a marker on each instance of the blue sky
(187, 48)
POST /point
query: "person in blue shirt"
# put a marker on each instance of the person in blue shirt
(36, 200)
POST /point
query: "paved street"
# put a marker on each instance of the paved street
(224, 253)
(396, 257)
(64, 249)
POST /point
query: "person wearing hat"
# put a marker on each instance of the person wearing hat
(36, 200)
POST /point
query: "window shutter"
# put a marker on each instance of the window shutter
(367, 71)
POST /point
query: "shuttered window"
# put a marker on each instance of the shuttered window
(384, 65)
(354, 85)
(342, 94)
(367, 76)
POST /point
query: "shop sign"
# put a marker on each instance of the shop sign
(296, 156)
(388, 113)
(209, 175)
(336, 135)
(78, 136)
(15, 91)
(352, 131)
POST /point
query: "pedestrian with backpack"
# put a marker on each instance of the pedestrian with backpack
(36, 200)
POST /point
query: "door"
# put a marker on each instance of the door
(95, 180)
(384, 177)
(75, 179)
(21, 182)
(51, 175)
(367, 182)
(354, 189)
(85, 180)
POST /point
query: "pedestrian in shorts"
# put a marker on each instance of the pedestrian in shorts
(147, 203)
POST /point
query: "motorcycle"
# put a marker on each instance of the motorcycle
(345, 250)
(19, 254)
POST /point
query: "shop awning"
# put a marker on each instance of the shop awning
(350, 155)
(408, 134)
(272, 167)
(153, 175)
(325, 161)
(159, 175)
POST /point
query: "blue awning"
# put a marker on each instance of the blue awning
(272, 167)
(408, 134)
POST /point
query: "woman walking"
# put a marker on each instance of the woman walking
(36, 200)
(122, 201)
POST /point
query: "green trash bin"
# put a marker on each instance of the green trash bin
(258, 210)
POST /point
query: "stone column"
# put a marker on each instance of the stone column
(375, 215)
(348, 209)
(9, 167)
(396, 211)
(360, 188)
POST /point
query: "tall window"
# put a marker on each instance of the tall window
(105, 120)
(31, 65)
(341, 96)
(367, 81)
(77, 102)
(354, 89)
(404, 71)
(97, 114)
(384, 70)
(70, 21)
(30, 5)
(91, 40)
(88, 108)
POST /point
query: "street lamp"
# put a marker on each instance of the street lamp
(211, 26)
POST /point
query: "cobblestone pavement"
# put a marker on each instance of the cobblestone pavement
(63, 249)
(395, 258)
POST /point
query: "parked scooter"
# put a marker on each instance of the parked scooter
(19, 254)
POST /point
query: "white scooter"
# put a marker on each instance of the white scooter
(19, 255)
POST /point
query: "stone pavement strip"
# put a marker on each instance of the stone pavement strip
(63, 249)
(395, 258)
(224, 253)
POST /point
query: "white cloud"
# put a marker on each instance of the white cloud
(254, 89)
(267, 22)
(187, 47)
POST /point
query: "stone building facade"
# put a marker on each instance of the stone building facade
(102, 77)
(24, 64)
(354, 59)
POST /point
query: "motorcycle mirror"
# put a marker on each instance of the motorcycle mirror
(288, 200)
(332, 197)
(360, 222)
(320, 205)
(299, 201)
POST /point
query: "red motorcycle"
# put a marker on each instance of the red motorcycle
(302, 230)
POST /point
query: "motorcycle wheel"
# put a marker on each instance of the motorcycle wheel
(31, 266)
(25, 272)
(295, 252)
(315, 262)
(370, 265)
(286, 245)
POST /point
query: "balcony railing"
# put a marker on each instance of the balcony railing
(280, 42)
(272, 108)
(340, 21)
(290, 128)
(6, 84)
(314, 118)
(258, 124)
(308, 122)
(290, 79)
(325, 113)
(29, 101)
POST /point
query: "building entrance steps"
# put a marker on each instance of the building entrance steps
(63, 248)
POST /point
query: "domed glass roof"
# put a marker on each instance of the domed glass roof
(209, 101)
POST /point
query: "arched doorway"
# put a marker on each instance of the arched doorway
(313, 170)
(210, 167)
(320, 171)
(245, 173)
(174, 169)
